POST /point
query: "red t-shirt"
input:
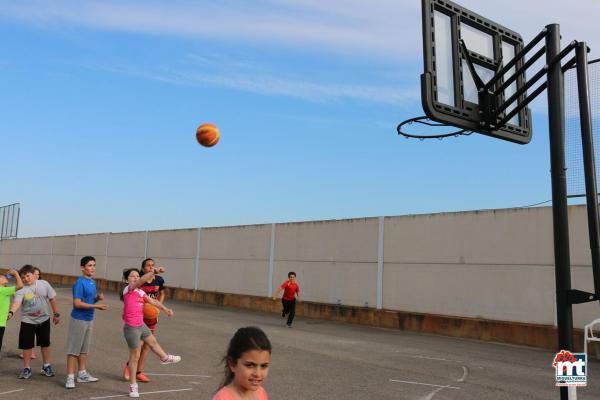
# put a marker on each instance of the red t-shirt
(289, 290)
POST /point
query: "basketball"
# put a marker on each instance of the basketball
(150, 312)
(207, 135)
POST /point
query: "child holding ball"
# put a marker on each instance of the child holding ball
(134, 329)
(246, 366)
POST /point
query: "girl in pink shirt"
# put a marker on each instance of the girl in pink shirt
(134, 329)
(246, 366)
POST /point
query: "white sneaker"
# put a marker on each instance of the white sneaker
(86, 378)
(133, 390)
(171, 359)
(70, 384)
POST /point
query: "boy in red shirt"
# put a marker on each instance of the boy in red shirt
(291, 292)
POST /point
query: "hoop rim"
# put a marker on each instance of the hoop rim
(425, 120)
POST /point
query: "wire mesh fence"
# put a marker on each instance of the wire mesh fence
(573, 150)
(9, 221)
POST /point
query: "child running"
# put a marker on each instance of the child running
(246, 366)
(33, 300)
(156, 290)
(6, 292)
(291, 291)
(85, 301)
(134, 328)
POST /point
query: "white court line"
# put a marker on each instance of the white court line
(126, 395)
(198, 376)
(436, 391)
(425, 384)
(465, 373)
(12, 391)
(429, 358)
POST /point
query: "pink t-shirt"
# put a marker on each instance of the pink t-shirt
(227, 393)
(133, 309)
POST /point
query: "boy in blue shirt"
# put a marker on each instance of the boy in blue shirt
(80, 328)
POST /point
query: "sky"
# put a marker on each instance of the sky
(100, 101)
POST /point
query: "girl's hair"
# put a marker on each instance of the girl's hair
(245, 339)
(126, 273)
(144, 264)
(39, 272)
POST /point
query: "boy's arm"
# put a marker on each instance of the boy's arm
(298, 295)
(277, 293)
(55, 313)
(78, 303)
(14, 307)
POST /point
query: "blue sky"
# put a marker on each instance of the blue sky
(100, 101)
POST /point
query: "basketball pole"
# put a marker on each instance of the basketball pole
(562, 263)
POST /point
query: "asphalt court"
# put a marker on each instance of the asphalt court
(313, 360)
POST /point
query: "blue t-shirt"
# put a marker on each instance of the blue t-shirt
(85, 290)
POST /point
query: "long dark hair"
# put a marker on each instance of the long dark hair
(245, 339)
(126, 273)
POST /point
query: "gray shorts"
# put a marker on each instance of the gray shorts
(133, 335)
(79, 337)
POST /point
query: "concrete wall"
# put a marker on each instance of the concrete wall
(495, 265)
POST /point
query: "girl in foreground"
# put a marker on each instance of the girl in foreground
(246, 366)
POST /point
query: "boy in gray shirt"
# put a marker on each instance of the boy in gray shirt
(33, 300)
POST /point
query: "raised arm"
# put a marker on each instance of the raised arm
(18, 281)
(146, 278)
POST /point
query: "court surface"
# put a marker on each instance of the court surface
(313, 360)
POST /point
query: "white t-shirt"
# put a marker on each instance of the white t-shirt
(34, 302)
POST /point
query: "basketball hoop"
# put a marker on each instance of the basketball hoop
(424, 120)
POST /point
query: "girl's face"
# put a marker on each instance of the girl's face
(250, 370)
(36, 274)
(148, 266)
(133, 277)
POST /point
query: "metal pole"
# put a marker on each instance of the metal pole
(589, 163)
(562, 267)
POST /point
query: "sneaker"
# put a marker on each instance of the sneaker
(133, 390)
(70, 384)
(171, 359)
(126, 373)
(141, 377)
(25, 374)
(289, 325)
(47, 371)
(86, 378)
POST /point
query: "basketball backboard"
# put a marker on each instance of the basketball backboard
(449, 91)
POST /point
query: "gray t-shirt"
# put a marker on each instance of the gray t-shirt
(34, 302)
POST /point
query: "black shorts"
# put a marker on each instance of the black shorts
(31, 335)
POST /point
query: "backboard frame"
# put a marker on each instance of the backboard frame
(462, 112)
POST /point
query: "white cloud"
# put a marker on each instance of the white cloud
(272, 85)
(383, 27)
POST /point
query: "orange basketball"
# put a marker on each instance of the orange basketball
(150, 312)
(207, 135)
